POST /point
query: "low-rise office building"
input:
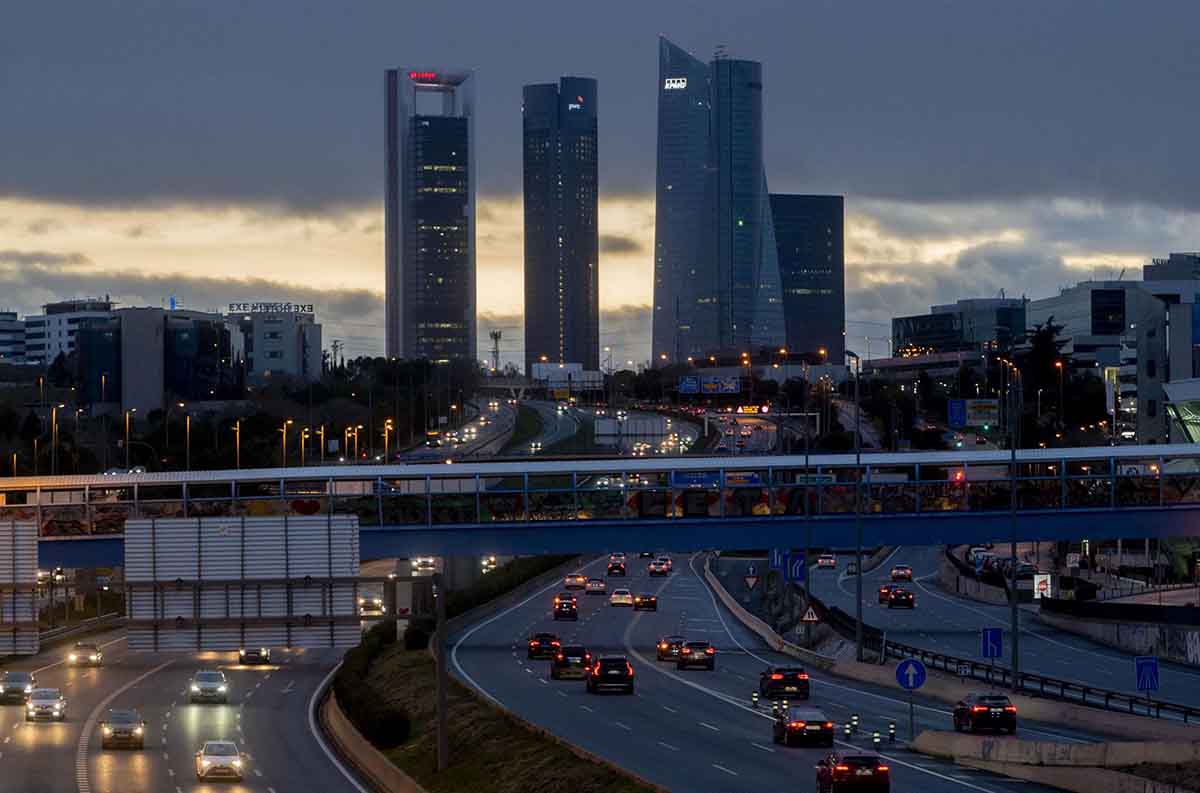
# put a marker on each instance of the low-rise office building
(281, 340)
(51, 333)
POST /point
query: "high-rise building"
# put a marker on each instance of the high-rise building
(562, 243)
(429, 214)
(717, 286)
(810, 239)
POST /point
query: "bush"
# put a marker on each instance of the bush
(384, 724)
(416, 636)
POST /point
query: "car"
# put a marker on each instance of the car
(535, 447)
(618, 556)
(645, 603)
(219, 760)
(696, 654)
(669, 646)
(826, 561)
(741, 443)
(370, 605)
(802, 726)
(646, 555)
(208, 685)
(783, 682)
(721, 447)
(122, 729)
(571, 662)
(575, 581)
(566, 597)
(85, 654)
(745, 433)
(616, 568)
(901, 599)
(885, 592)
(656, 568)
(17, 686)
(610, 672)
(667, 561)
(902, 572)
(254, 655)
(543, 645)
(565, 609)
(853, 771)
(595, 586)
(46, 703)
(620, 597)
(976, 712)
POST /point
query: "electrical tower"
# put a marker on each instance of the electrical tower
(495, 336)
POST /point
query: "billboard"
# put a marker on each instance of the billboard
(981, 412)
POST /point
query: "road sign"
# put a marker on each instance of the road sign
(1072, 560)
(991, 642)
(964, 670)
(810, 616)
(795, 567)
(1041, 585)
(1146, 668)
(956, 410)
(910, 674)
(978, 564)
(778, 558)
(689, 384)
(751, 580)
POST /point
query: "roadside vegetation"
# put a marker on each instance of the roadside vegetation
(528, 427)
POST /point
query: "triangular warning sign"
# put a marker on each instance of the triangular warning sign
(810, 616)
(751, 580)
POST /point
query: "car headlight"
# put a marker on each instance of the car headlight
(237, 763)
(195, 688)
(241, 652)
(205, 763)
(93, 658)
(32, 707)
(57, 706)
(138, 730)
(72, 657)
(221, 689)
(108, 730)
(28, 689)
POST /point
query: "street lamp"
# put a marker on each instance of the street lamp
(303, 444)
(128, 414)
(387, 431)
(1058, 365)
(321, 435)
(54, 438)
(858, 577)
(187, 440)
(237, 443)
(356, 429)
(283, 432)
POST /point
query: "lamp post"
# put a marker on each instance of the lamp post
(321, 435)
(357, 427)
(14, 463)
(187, 441)
(346, 433)
(1058, 365)
(303, 444)
(387, 432)
(54, 438)
(128, 414)
(858, 577)
(283, 432)
(237, 443)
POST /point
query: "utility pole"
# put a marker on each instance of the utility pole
(443, 733)
(858, 574)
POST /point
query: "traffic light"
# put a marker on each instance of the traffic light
(987, 427)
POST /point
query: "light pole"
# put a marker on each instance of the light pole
(54, 438)
(237, 443)
(128, 414)
(283, 432)
(357, 427)
(858, 577)
(303, 444)
(387, 431)
(187, 440)
(14, 462)
(321, 435)
(346, 433)
(1058, 365)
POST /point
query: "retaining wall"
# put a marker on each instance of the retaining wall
(969, 588)
(1178, 643)
(370, 764)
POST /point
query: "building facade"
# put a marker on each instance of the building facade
(279, 340)
(717, 285)
(429, 214)
(976, 324)
(810, 240)
(562, 243)
(52, 333)
(12, 338)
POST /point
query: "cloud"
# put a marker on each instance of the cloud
(21, 259)
(43, 226)
(619, 243)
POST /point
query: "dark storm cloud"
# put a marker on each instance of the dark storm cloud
(279, 102)
(619, 243)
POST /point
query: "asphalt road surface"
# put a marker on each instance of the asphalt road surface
(694, 730)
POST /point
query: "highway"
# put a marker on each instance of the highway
(947, 623)
(267, 717)
(692, 730)
(761, 437)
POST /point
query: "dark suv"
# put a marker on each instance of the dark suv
(122, 729)
(566, 610)
(17, 686)
(543, 645)
(668, 647)
(616, 568)
(901, 599)
(802, 727)
(845, 771)
(985, 712)
(783, 682)
(572, 661)
(610, 672)
(700, 654)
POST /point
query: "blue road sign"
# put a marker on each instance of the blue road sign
(991, 642)
(910, 674)
(795, 566)
(778, 558)
(956, 410)
(689, 384)
(1146, 668)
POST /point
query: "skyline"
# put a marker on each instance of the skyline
(1033, 177)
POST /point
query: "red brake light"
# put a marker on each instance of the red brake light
(685, 650)
(777, 676)
(803, 675)
(829, 725)
(533, 642)
(710, 650)
(841, 768)
(796, 725)
(556, 643)
(882, 768)
(596, 669)
(979, 709)
(1010, 708)
(629, 668)
(559, 657)
(662, 645)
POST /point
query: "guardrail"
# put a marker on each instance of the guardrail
(1031, 683)
(66, 631)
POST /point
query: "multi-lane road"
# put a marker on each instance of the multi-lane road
(267, 716)
(692, 730)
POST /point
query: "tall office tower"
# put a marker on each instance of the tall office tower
(429, 214)
(685, 306)
(562, 242)
(717, 285)
(810, 239)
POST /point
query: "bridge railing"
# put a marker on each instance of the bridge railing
(619, 489)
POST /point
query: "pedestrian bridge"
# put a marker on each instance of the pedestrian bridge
(678, 503)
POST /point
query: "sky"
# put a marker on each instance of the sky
(227, 151)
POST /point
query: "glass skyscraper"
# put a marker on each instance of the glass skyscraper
(562, 244)
(810, 239)
(429, 214)
(717, 283)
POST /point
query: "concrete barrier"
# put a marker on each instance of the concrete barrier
(776, 642)
(1077, 780)
(370, 764)
(1117, 754)
(1178, 643)
(956, 584)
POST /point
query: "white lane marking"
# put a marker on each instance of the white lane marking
(170, 772)
(760, 746)
(668, 746)
(257, 772)
(291, 686)
(729, 771)
(542, 680)
(669, 709)
(82, 783)
(560, 693)
(316, 733)
(585, 707)
(709, 726)
(623, 726)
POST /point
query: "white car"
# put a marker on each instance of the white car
(620, 597)
(219, 760)
(595, 586)
(827, 560)
(46, 703)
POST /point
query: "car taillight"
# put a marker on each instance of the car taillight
(841, 768)
(685, 650)
(596, 669)
(979, 709)
(803, 675)
(777, 676)
(1010, 708)
(556, 644)
(558, 657)
(797, 725)
(883, 769)
(710, 650)
(829, 725)
(533, 642)
(662, 645)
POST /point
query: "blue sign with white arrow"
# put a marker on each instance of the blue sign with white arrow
(991, 642)
(778, 559)
(910, 674)
(795, 566)
(1146, 669)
